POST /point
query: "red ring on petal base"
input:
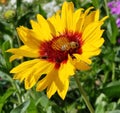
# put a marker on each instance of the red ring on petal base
(57, 49)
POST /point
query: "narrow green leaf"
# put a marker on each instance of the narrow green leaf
(3, 98)
(112, 30)
(21, 108)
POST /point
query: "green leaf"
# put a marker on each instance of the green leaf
(2, 60)
(25, 18)
(112, 30)
(100, 109)
(4, 29)
(21, 108)
(112, 89)
(101, 103)
(5, 46)
(111, 106)
(115, 111)
(43, 100)
(3, 98)
(32, 108)
(95, 3)
(42, 12)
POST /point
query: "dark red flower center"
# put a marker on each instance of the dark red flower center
(57, 49)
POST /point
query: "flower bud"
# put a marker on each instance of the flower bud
(9, 14)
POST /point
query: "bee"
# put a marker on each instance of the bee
(70, 45)
(74, 45)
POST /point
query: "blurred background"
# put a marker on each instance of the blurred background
(101, 83)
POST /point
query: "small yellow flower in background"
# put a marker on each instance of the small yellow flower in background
(59, 45)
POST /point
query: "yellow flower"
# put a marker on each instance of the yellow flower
(59, 45)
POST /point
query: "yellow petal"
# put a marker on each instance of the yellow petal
(80, 65)
(83, 58)
(92, 46)
(39, 32)
(13, 57)
(78, 20)
(31, 71)
(63, 93)
(55, 20)
(23, 51)
(94, 37)
(92, 17)
(22, 75)
(47, 80)
(45, 29)
(67, 15)
(92, 53)
(43, 84)
(51, 89)
(20, 52)
(81, 21)
(43, 67)
(26, 37)
(24, 65)
(52, 82)
(103, 19)
(66, 70)
(88, 10)
(90, 29)
(55, 85)
(77, 14)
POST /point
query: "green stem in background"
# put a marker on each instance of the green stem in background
(105, 76)
(16, 35)
(113, 71)
(84, 95)
(18, 40)
(106, 7)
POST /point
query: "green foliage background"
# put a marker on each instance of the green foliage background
(102, 82)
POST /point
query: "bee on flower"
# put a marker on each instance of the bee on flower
(59, 45)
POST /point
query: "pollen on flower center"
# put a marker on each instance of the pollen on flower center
(61, 44)
(58, 49)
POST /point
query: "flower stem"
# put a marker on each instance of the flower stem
(113, 71)
(84, 95)
(106, 7)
